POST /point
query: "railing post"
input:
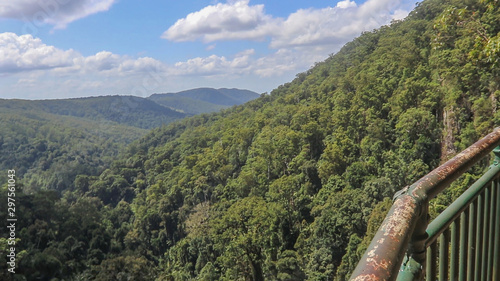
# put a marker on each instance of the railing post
(413, 267)
(387, 250)
(496, 152)
(496, 246)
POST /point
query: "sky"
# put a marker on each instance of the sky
(51, 49)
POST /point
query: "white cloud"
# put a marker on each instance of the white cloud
(215, 65)
(333, 26)
(295, 42)
(101, 61)
(32, 68)
(283, 61)
(231, 21)
(238, 20)
(346, 4)
(400, 14)
(25, 53)
(58, 13)
(288, 61)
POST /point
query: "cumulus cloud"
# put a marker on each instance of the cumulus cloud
(101, 61)
(215, 65)
(332, 26)
(346, 4)
(239, 20)
(35, 63)
(24, 53)
(288, 61)
(230, 21)
(337, 25)
(55, 12)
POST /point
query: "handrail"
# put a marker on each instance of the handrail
(434, 229)
(403, 231)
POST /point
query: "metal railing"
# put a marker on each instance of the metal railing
(462, 243)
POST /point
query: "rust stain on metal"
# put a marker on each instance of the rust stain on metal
(393, 233)
(438, 179)
(398, 223)
(378, 263)
(366, 277)
(372, 252)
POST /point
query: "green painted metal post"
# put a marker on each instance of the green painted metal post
(491, 241)
(496, 244)
(471, 242)
(462, 273)
(479, 229)
(431, 271)
(486, 232)
(411, 270)
(444, 241)
(454, 259)
(496, 251)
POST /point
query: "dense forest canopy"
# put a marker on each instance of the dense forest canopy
(48, 151)
(290, 186)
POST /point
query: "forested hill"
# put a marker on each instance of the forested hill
(49, 142)
(48, 150)
(289, 186)
(126, 110)
(204, 100)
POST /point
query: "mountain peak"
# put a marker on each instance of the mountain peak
(203, 100)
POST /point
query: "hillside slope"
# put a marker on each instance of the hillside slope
(127, 110)
(288, 186)
(185, 104)
(48, 151)
(204, 100)
(49, 142)
(222, 96)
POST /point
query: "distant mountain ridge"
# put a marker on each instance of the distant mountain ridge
(144, 113)
(126, 110)
(204, 100)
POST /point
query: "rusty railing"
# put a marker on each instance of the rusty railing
(462, 243)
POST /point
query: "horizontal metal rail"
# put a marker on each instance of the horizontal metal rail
(403, 235)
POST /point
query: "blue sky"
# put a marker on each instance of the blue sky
(74, 48)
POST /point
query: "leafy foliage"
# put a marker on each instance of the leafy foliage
(48, 151)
